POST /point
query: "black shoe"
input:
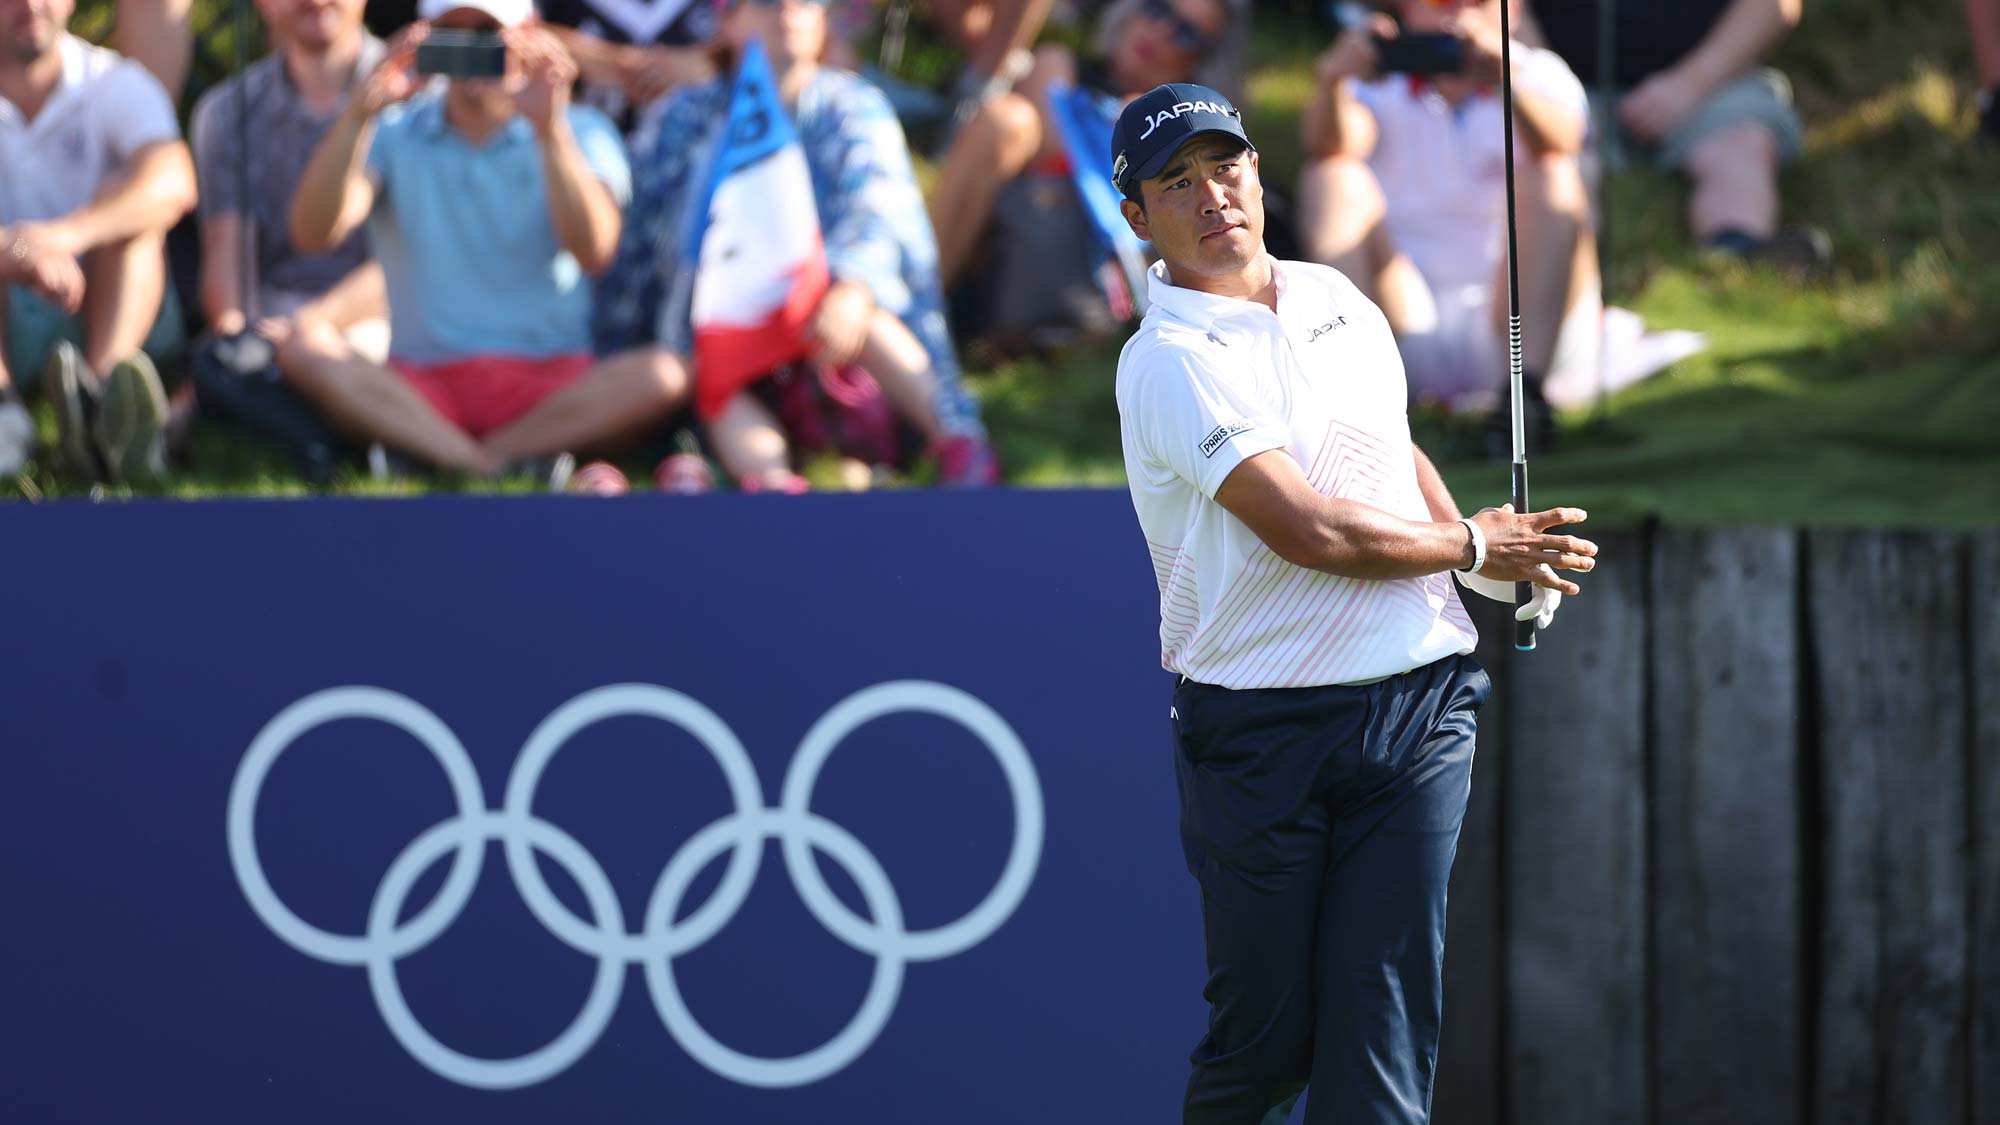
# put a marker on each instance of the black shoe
(1538, 424)
(1797, 247)
(73, 390)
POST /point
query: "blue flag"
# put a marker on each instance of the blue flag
(1084, 121)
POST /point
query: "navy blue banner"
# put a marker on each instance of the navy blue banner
(691, 810)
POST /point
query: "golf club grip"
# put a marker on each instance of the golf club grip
(1524, 631)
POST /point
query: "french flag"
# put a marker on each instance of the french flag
(752, 245)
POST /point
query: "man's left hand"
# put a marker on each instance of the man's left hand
(547, 72)
(1541, 607)
(840, 326)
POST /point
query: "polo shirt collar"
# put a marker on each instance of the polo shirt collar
(1203, 310)
(430, 120)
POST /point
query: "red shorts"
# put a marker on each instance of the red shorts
(482, 393)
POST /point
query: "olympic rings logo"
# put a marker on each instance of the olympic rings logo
(660, 938)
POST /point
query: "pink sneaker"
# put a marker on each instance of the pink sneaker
(685, 474)
(966, 462)
(600, 478)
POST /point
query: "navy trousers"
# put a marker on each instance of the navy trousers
(1321, 825)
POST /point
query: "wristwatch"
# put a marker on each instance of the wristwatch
(1478, 548)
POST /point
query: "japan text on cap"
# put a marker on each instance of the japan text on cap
(1157, 123)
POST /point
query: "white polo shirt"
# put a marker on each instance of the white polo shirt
(1209, 381)
(1443, 168)
(105, 108)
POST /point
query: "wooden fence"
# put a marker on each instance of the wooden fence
(1733, 853)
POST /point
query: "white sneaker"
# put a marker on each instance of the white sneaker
(17, 438)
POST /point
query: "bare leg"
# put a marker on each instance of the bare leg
(1735, 174)
(1983, 17)
(6, 379)
(749, 442)
(1558, 256)
(993, 148)
(617, 398)
(897, 359)
(1343, 223)
(156, 32)
(123, 284)
(374, 403)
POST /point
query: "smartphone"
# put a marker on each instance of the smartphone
(1421, 54)
(462, 54)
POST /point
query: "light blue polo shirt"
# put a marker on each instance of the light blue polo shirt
(465, 240)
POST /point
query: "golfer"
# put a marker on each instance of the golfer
(1324, 712)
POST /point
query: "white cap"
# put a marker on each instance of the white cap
(510, 13)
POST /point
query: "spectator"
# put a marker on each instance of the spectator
(1691, 88)
(989, 32)
(157, 34)
(294, 95)
(487, 203)
(632, 54)
(92, 174)
(1983, 17)
(883, 310)
(1004, 192)
(1404, 190)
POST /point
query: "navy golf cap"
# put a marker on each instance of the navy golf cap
(1160, 121)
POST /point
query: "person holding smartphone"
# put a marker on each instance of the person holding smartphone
(489, 200)
(1404, 191)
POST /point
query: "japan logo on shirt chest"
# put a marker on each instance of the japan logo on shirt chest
(1336, 322)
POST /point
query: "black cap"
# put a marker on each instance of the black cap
(1157, 123)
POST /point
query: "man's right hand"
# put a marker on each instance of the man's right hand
(49, 271)
(1519, 548)
(395, 78)
(1353, 55)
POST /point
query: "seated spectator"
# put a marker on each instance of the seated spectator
(92, 174)
(487, 203)
(1693, 92)
(1404, 191)
(632, 54)
(1004, 192)
(883, 309)
(294, 95)
(1982, 17)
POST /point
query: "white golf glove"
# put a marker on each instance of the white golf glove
(1541, 607)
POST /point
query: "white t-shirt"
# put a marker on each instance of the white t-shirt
(105, 108)
(1443, 168)
(1208, 382)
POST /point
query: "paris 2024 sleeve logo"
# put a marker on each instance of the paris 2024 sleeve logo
(660, 939)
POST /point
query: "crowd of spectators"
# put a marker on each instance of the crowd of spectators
(472, 274)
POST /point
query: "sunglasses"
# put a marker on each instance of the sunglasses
(1188, 36)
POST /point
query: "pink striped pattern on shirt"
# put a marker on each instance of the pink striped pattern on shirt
(1302, 627)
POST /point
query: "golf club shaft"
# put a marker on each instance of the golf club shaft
(1524, 631)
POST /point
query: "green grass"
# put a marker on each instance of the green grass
(1871, 397)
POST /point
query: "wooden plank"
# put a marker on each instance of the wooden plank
(1724, 785)
(1575, 863)
(1469, 1074)
(1888, 623)
(1985, 569)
